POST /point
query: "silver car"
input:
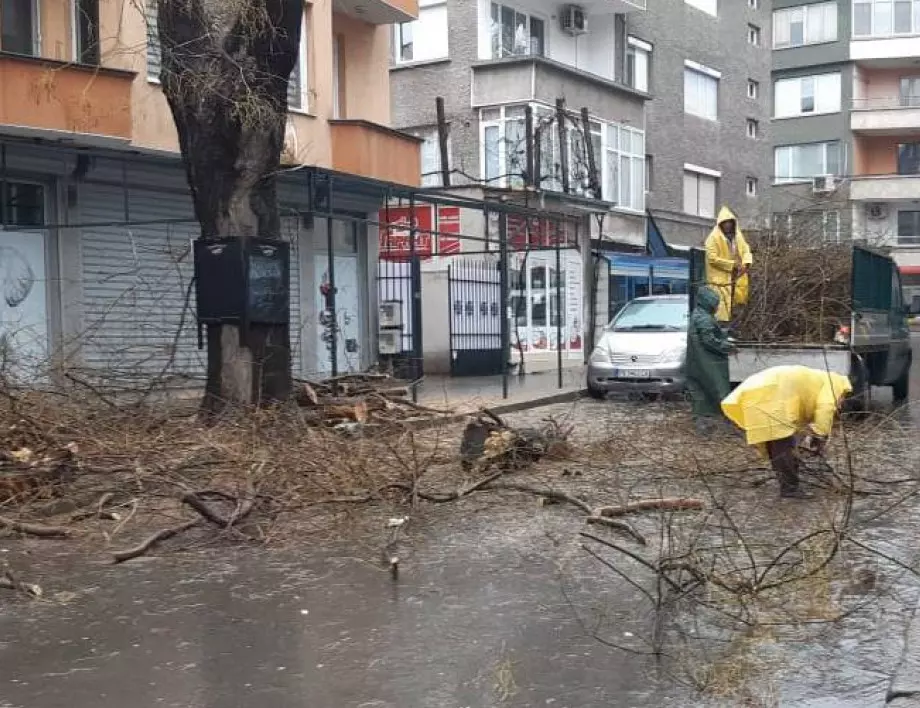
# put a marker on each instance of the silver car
(643, 349)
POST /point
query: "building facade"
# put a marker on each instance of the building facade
(847, 121)
(707, 66)
(96, 216)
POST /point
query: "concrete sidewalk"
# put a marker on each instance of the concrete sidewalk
(468, 394)
(904, 691)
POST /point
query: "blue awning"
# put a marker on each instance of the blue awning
(645, 266)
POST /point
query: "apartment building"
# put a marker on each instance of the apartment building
(95, 211)
(847, 121)
(706, 64)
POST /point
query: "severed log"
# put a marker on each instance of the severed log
(244, 507)
(35, 529)
(151, 541)
(665, 504)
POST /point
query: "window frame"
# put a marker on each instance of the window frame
(799, 82)
(423, 133)
(639, 46)
(75, 34)
(798, 179)
(396, 35)
(699, 173)
(752, 128)
(781, 12)
(35, 18)
(914, 238)
(750, 186)
(754, 35)
(872, 34)
(697, 4)
(699, 70)
(909, 159)
(303, 68)
(753, 89)
(530, 15)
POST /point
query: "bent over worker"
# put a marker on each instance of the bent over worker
(728, 264)
(775, 406)
(707, 360)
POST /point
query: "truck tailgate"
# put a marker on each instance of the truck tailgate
(753, 358)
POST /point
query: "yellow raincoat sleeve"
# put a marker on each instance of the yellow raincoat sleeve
(744, 250)
(713, 259)
(835, 387)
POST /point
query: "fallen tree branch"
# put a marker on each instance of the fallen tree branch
(547, 493)
(151, 541)
(35, 529)
(618, 525)
(665, 504)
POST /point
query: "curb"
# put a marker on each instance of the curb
(904, 689)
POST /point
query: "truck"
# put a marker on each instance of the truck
(873, 348)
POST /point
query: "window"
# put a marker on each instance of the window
(909, 159)
(910, 92)
(701, 92)
(807, 24)
(516, 33)
(753, 35)
(86, 31)
(154, 55)
(638, 55)
(753, 89)
(754, 4)
(430, 156)
(22, 204)
(908, 228)
(802, 162)
(298, 82)
(885, 18)
(19, 27)
(700, 193)
(648, 173)
(807, 95)
(750, 186)
(753, 128)
(624, 179)
(425, 39)
(709, 6)
(830, 226)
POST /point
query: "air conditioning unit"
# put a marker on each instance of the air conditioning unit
(390, 313)
(876, 211)
(388, 341)
(823, 184)
(573, 20)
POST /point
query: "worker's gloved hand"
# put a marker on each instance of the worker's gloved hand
(815, 444)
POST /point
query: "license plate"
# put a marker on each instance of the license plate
(633, 374)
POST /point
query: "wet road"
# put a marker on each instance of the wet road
(486, 615)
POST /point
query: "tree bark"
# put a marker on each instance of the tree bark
(225, 71)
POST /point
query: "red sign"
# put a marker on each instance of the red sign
(543, 232)
(448, 223)
(395, 226)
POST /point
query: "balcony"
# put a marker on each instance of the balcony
(360, 147)
(45, 94)
(379, 12)
(881, 188)
(886, 116)
(521, 79)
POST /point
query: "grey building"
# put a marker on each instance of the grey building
(708, 123)
(846, 128)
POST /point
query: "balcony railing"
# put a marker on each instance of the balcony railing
(360, 147)
(886, 115)
(45, 94)
(885, 103)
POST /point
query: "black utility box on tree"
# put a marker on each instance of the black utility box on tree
(242, 282)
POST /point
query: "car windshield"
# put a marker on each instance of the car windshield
(652, 315)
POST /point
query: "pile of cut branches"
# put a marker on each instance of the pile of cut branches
(800, 289)
(358, 399)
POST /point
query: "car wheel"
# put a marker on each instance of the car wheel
(900, 389)
(596, 393)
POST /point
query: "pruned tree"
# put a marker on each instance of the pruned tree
(225, 71)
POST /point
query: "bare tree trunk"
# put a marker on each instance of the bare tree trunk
(225, 71)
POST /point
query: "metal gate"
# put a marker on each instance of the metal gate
(399, 288)
(475, 322)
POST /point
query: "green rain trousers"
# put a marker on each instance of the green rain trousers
(707, 357)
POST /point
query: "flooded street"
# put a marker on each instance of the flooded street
(496, 604)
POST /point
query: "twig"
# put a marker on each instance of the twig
(151, 541)
(548, 493)
(36, 529)
(618, 525)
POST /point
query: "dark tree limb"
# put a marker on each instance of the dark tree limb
(151, 541)
(35, 529)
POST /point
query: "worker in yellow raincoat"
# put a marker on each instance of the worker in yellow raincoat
(776, 405)
(728, 264)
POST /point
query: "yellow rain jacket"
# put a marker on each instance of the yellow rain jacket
(720, 261)
(779, 402)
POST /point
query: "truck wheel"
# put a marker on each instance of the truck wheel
(900, 389)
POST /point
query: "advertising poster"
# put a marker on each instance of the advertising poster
(448, 223)
(395, 228)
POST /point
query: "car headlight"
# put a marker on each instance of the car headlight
(600, 355)
(676, 354)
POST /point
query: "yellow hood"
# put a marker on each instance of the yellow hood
(726, 214)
